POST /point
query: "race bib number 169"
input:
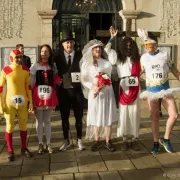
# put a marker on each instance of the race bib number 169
(131, 81)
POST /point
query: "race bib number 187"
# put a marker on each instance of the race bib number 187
(17, 100)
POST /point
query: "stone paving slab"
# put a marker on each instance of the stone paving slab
(33, 167)
(63, 157)
(144, 161)
(92, 166)
(171, 173)
(113, 165)
(28, 178)
(9, 171)
(144, 174)
(59, 177)
(168, 160)
(87, 176)
(65, 167)
(114, 175)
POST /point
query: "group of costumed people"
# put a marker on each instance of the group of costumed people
(98, 58)
(39, 88)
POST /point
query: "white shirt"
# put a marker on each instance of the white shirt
(156, 68)
(125, 69)
(67, 56)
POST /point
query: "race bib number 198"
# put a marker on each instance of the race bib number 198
(131, 81)
(17, 100)
(44, 91)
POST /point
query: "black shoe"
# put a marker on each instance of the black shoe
(25, 152)
(124, 146)
(11, 156)
(110, 146)
(95, 146)
(135, 146)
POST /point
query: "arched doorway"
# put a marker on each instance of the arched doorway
(86, 24)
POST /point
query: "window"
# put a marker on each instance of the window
(32, 52)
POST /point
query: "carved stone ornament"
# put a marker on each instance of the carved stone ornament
(170, 17)
(11, 18)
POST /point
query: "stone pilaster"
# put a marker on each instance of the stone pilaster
(128, 17)
(46, 32)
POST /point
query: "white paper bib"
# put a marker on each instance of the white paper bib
(131, 81)
(75, 76)
(17, 100)
(44, 92)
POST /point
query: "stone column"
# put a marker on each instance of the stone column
(46, 32)
(128, 17)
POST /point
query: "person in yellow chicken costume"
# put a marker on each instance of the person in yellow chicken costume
(18, 97)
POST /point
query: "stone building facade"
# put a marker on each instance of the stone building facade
(30, 22)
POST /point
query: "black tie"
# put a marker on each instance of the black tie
(69, 61)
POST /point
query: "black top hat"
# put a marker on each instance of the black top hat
(66, 35)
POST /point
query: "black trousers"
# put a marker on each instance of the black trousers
(71, 98)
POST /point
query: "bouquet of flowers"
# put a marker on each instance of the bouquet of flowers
(102, 80)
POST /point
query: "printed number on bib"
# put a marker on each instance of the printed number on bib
(75, 77)
(44, 91)
(157, 75)
(131, 81)
(17, 100)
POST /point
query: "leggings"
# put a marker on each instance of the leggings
(43, 116)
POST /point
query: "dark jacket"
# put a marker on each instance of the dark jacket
(62, 65)
(26, 61)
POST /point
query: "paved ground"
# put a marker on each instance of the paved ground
(87, 165)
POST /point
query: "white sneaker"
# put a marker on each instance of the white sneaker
(80, 145)
(65, 145)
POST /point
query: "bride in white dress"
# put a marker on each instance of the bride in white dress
(102, 110)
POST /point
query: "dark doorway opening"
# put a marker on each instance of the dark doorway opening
(99, 21)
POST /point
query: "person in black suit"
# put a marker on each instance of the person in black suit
(26, 61)
(69, 92)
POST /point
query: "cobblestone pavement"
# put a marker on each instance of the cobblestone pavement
(86, 165)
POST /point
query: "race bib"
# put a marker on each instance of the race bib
(75, 77)
(157, 72)
(131, 81)
(17, 100)
(157, 75)
(44, 92)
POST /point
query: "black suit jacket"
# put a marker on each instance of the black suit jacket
(26, 61)
(62, 65)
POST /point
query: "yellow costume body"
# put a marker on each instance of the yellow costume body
(18, 97)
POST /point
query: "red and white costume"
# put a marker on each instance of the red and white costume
(43, 82)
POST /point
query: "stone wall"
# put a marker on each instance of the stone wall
(31, 23)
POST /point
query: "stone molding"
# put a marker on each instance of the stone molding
(129, 14)
(47, 14)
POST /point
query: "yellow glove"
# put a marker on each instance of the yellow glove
(2, 108)
(30, 107)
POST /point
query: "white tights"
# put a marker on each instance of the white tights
(43, 116)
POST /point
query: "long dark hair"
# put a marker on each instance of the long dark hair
(50, 59)
(123, 52)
